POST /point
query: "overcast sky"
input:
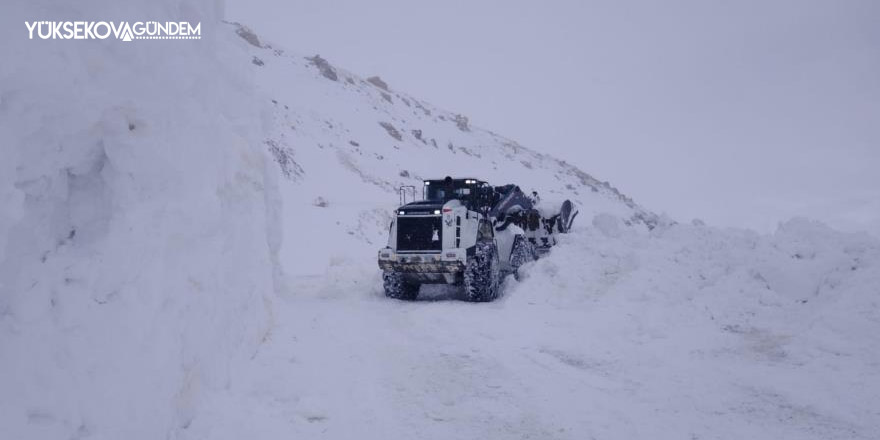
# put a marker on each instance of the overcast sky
(740, 113)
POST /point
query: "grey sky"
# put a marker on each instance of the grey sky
(740, 113)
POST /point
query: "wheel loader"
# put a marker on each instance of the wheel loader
(468, 233)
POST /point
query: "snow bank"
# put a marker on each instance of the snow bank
(721, 333)
(138, 229)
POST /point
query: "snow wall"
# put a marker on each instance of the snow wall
(137, 224)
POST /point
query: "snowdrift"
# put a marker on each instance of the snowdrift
(696, 332)
(138, 228)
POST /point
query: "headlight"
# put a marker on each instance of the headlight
(436, 212)
(401, 212)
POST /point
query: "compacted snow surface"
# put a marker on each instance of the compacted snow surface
(686, 332)
(188, 240)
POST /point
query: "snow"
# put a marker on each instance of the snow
(135, 258)
(188, 240)
(688, 332)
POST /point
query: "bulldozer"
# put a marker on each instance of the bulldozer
(468, 233)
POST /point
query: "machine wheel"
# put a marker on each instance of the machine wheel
(522, 253)
(482, 275)
(398, 288)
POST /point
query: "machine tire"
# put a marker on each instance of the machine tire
(522, 253)
(398, 288)
(482, 276)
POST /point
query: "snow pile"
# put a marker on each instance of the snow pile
(698, 332)
(138, 228)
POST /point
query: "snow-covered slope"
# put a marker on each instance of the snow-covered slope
(346, 144)
(188, 237)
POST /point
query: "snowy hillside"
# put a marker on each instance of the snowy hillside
(346, 144)
(188, 242)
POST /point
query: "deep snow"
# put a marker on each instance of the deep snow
(187, 250)
(138, 234)
(687, 332)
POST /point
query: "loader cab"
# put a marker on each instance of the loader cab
(470, 192)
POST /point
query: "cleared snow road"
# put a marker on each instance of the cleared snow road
(629, 337)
